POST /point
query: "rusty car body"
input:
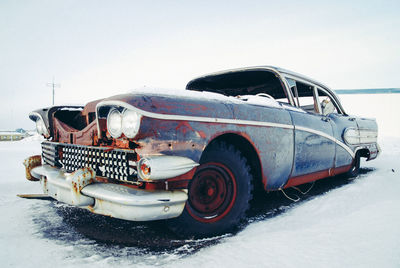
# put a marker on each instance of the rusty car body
(195, 156)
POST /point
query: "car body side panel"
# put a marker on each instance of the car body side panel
(366, 123)
(340, 124)
(368, 127)
(343, 158)
(313, 152)
(274, 145)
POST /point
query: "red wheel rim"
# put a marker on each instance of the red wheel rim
(212, 192)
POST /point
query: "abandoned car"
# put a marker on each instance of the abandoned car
(196, 156)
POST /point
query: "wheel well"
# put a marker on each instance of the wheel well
(364, 153)
(248, 151)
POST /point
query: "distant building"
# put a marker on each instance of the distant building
(17, 135)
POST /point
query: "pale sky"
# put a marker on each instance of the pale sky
(99, 48)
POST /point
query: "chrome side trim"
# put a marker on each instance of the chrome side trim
(191, 118)
(368, 135)
(185, 117)
(320, 133)
(217, 120)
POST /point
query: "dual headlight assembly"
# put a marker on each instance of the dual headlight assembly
(126, 122)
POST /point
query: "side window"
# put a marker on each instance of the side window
(311, 98)
(326, 103)
(306, 97)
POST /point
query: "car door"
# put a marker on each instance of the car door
(314, 142)
(340, 122)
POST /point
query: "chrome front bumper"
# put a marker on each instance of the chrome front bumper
(81, 189)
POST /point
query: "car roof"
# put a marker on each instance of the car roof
(266, 68)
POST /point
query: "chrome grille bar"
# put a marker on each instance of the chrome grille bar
(107, 162)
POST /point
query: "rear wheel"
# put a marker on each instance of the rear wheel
(218, 194)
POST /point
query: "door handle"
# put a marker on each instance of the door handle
(352, 119)
(325, 119)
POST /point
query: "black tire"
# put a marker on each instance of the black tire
(218, 194)
(355, 168)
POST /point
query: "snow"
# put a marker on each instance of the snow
(173, 92)
(340, 223)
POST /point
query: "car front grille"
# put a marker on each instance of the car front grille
(50, 154)
(107, 162)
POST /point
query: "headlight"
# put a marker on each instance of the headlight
(114, 123)
(130, 123)
(41, 127)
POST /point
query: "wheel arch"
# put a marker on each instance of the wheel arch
(249, 151)
(363, 152)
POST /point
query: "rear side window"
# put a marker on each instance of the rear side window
(327, 104)
(304, 95)
(311, 98)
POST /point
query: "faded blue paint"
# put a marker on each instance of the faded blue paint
(340, 124)
(312, 152)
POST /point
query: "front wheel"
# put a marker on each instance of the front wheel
(218, 194)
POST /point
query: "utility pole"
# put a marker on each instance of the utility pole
(53, 85)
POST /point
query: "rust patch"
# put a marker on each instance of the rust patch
(294, 181)
(98, 203)
(122, 143)
(342, 169)
(45, 184)
(91, 208)
(101, 179)
(85, 177)
(75, 187)
(202, 134)
(31, 163)
(184, 127)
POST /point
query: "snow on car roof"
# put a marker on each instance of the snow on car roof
(182, 93)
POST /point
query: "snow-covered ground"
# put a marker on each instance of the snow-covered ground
(339, 223)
